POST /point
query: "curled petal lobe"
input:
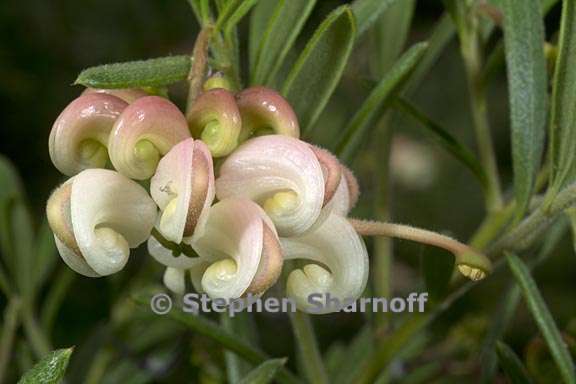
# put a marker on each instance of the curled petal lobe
(183, 188)
(129, 95)
(79, 136)
(145, 131)
(97, 216)
(352, 186)
(215, 119)
(340, 263)
(240, 248)
(175, 280)
(280, 173)
(264, 111)
(331, 169)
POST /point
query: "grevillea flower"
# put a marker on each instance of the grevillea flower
(239, 253)
(79, 136)
(143, 133)
(280, 173)
(183, 188)
(280, 197)
(96, 217)
(339, 262)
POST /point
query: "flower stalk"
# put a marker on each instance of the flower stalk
(199, 63)
(470, 262)
(308, 348)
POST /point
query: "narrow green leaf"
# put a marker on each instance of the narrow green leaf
(543, 318)
(392, 346)
(264, 373)
(225, 11)
(511, 364)
(437, 273)
(277, 39)
(259, 19)
(49, 370)
(563, 108)
(526, 67)
(378, 99)
(443, 138)
(157, 72)
(368, 11)
(242, 10)
(390, 33)
(55, 297)
(22, 233)
(319, 68)
(358, 350)
(441, 35)
(16, 230)
(213, 331)
(45, 255)
(504, 314)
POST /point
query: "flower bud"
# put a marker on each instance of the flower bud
(79, 137)
(144, 132)
(264, 112)
(215, 119)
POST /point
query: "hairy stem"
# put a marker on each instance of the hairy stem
(470, 262)
(308, 348)
(198, 68)
(530, 228)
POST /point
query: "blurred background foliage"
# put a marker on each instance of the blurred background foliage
(43, 47)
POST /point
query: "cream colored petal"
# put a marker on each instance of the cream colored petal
(340, 265)
(175, 280)
(280, 173)
(183, 188)
(166, 257)
(75, 261)
(110, 214)
(241, 248)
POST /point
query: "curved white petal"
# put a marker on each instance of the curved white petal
(75, 261)
(242, 250)
(282, 174)
(183, 188)
(144, 132)
(79, 136)
(110, 214)
(341, 262)
(175, 280)
(166, 257)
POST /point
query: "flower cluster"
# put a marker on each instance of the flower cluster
(227, 228)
